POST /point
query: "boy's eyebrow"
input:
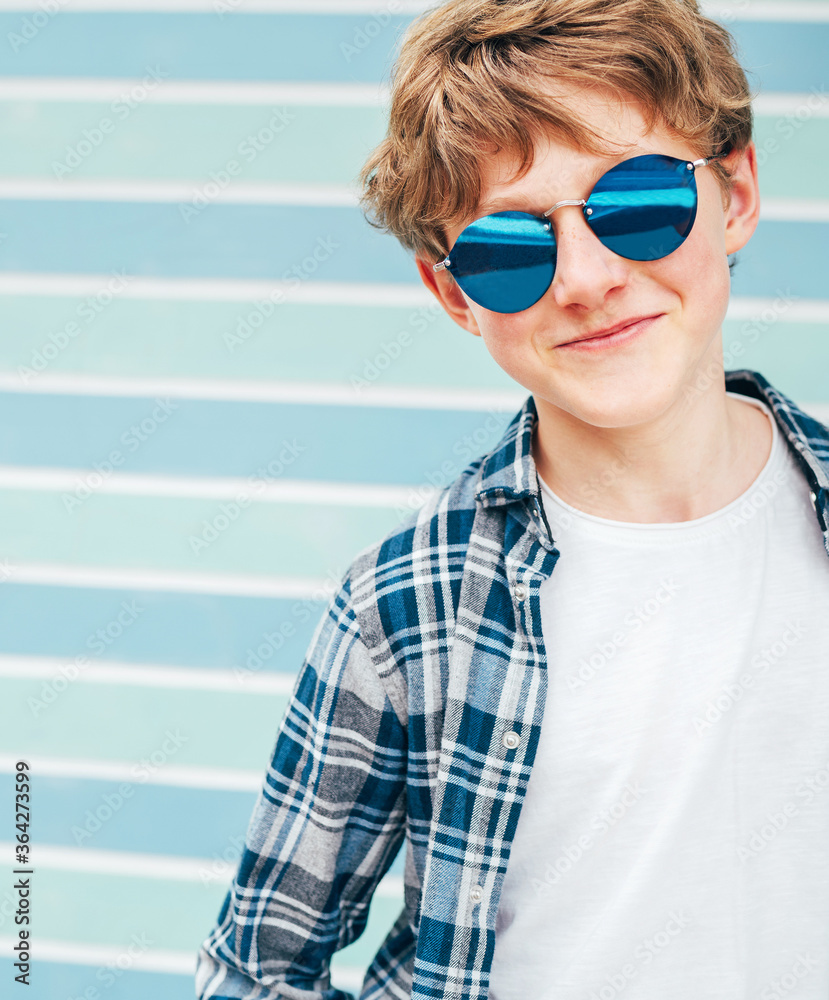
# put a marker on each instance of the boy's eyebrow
(515, 204)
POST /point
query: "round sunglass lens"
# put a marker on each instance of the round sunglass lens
(645, 207)
(505, 261)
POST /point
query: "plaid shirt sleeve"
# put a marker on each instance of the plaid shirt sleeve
(325, 829)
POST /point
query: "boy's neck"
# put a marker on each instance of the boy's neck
(694, 460)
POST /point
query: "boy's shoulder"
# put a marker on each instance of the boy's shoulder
(428, 546)
(805, 432)
(432, 539)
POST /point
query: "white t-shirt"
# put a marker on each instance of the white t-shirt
(674, 841)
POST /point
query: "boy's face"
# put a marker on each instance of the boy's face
(680, 300)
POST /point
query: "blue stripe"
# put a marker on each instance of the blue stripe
(266, 242)
(107, 816)
(55, 981)
(782, 56)
(223, 241)
(242, 439)
(185, 630)
(124, 816)
(199, 46)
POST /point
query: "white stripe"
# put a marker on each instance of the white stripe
(296, 491)
(179, 192)
(344, 977)
(806, 106)
(797, 311)
(794, 210)
(102, 955)
(152, 960)
(409, 296)
(186, 776)
(157, 866)
(350, 7)
(218, 584)
(341, 94)
(327, 195)
(405, 397)
(311, 293)
(763, 10)
(312, 393)
(740, 10)
(245, 681)
(107, 90)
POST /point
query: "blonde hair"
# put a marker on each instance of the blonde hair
(468, 83)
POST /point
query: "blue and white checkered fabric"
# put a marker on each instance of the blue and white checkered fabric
(416, 715)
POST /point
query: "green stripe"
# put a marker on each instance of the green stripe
(156, 533)
(312, 343)
(794, 358)
(169, 141)
(344, 345)
(319, 144)
(168, 915)
(791, 156)
(145, 728)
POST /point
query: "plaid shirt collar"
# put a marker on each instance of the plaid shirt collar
(508, 473)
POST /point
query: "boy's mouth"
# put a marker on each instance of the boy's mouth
(610, 331)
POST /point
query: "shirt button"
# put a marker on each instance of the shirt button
(813, 498)
(476, 894)
(511, 739)
(520, 591)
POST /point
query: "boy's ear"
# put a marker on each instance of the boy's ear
(742, 212)
(447, 291)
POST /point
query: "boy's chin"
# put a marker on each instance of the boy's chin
(626, 402)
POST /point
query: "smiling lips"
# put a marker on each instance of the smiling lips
(609, 331)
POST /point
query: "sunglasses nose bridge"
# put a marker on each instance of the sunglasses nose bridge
(562, 204)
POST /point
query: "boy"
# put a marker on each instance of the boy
(589, 681)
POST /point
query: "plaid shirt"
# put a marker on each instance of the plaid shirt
(416, 715)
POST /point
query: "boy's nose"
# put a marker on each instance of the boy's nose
(586, 270)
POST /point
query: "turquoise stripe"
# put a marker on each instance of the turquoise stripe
(297, 47)
(267, 441)
(342, 345)
(183, 630)
(188, 142)
(266, 241)
(794, 359)
(322, 145)
(187, 535)
(348, 345)
(791, 154)
(198, 823)
(142, 729)
(174, 916)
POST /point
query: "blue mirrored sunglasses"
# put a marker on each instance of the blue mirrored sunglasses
(641, 209)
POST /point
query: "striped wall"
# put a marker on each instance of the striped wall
(217, 383)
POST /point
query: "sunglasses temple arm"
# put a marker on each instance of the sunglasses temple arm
(704, 163)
